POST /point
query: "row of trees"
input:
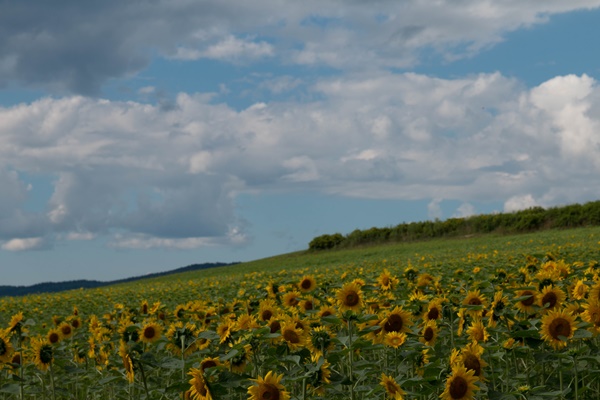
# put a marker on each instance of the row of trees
(531, 219)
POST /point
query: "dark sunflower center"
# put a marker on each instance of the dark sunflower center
(208, 364)
(530, 300)
(75, 323)
(46, 354)
(306, 284)
(53, 337)
(308, 305)
(275, 326)
(293, 301)
(550, 299)
(433, 313)
(559, 327)
(428, 335)
(3, 347)
(149, 332)
(475, 301)
(291, 336)
(385, 281)
(269, 392)
(325, 313)
(458, 387)
(472, 362)
(351, 299)
(394, 323)
(266, 315)
(66, 330)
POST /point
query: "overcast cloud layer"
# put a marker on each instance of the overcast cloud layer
(148, 175)
(77, 46)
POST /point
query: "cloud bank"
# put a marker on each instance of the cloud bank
(146, 176)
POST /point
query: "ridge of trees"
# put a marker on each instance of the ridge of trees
(529, 220)
(52, 287)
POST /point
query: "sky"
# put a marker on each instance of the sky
(142, 136)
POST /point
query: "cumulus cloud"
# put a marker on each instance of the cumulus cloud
(77, 46)
(147, 176)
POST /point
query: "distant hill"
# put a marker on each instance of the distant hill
(52, 287)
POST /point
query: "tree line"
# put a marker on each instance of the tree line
(529, 220)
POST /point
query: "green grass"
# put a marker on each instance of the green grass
(563, 242)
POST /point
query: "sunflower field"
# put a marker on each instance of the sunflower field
(514, 317)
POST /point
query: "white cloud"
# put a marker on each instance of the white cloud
(434, 211)
(230, 49)
(522, 202)
(170, 177)
(465, 210)
(18, 244)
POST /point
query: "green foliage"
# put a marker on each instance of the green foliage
(529, 220)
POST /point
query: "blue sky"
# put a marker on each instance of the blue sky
(144, 136)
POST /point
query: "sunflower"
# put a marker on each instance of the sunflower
(394, 339)
(151, 332)
(268, 387)
(397, 320)
(350, 297)
(391, 387)
(127, 362)
(293, 336)
(16, 323)
(209, 362)
(291, 299)
(471, 359)
(579, 290)
(75, 322)
(429, 333)
(475, 298)
(54, 336)
(267, 309)
(434, 310)
(6, 348)
(246, 322)
(557, 328)
(309, 304)
(526, 301)
(477, 331)
(181, 335)
(225, 329)
(551, 297)
(240, 360)
(307, 284)
(43, 354)
(325, 311)
(274, 325)
(199, 389)
(387, 281)
(320, 341)
(460, 385)
(65, 329)
(592, 315)
(497, 308)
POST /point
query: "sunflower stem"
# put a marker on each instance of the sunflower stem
(144, 379)
(52, 382)
(350, 358)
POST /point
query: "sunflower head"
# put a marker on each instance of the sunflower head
(460, 385)
(150, 332)
(6, 349)
(557, 328)
(392, 388)
(199, 389)
(268, 387)
(43, 354)
(350, 297)
(307, 284)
